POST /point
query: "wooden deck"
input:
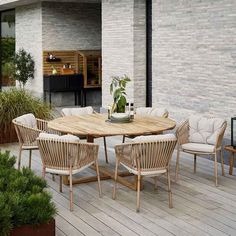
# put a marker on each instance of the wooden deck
(199, 207)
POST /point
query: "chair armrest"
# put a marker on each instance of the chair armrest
(182, 133)
(220, 136)
(43, 126)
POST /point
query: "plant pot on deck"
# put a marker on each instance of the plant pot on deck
(7, 133)
(35, 230)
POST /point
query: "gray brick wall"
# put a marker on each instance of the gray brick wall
(29, 37)
(194, 57)
(71, 26)
(123, 47)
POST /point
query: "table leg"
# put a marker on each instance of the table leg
(231, 164)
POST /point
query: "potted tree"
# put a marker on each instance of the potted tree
(26, 207)
(24, 67)
(117, 89)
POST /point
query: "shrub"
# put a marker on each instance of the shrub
(23, 198)
(16, 102)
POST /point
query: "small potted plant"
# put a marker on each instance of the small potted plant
(117, 89)
(26, 207)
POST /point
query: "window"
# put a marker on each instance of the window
(7, 44)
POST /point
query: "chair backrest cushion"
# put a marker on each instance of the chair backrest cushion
(204, 129)
(28, 120)
(151, 111)
(67, 137)
(153, 138)
(77, 111)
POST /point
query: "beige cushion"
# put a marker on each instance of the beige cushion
(198, 147)
(204, 129)
(68, 137)
(28, 120)
(153, 138)
(77, 111)
(150, 111)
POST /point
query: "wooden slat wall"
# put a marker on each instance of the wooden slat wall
(65, 56)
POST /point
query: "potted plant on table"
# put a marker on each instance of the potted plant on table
(117, 89)
(25, 206)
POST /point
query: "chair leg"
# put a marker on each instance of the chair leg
(195, 163)
(155, 183)
(222, 162)
(30, 157)
(177, 166)
(105, 149)
(19, 157)
(169, 189)
(115, 180)
(99, 182)
(53, 177)
(71, 193)
(44, 172)
(60, 184)
(138, 194)
(123, 141)
(215, 169)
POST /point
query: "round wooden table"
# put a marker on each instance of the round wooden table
(96, 125)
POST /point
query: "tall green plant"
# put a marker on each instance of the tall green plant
(117, 89)
(24, 67)
(23, 198)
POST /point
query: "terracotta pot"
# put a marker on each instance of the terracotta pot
(38, 230)
(7, 133)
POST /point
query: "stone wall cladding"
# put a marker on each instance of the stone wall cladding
(71, 26)
(123, 47)
(29, 37)
(194, 57)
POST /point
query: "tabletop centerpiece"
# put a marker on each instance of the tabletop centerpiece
(118, 91)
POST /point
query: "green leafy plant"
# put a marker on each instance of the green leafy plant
(117, 89)
(23, 198)
(23, 67)
(17, 102)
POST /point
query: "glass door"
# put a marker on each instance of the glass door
(7, 47)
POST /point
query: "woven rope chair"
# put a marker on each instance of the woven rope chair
(83, 111)
(27, 135)
(182, 134)
(148, 111)
(66, 158)
(145, 159)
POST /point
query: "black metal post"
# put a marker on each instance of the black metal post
(148, 53)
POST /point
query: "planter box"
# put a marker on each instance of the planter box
(7, 133)
(37, 230)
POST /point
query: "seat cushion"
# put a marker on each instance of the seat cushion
(153, 138)
(151, 111)
(77, 111)
(28, 120)
(204, 129)
(198, 147)
(67, 137)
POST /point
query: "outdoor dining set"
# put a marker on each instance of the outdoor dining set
(146, 150)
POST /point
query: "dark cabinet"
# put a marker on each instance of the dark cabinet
(64, 83)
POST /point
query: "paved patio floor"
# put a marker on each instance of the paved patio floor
(199, 207)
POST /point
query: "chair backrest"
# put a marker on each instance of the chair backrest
(147, 153)
(205, 129)
(151, 111)
(78, 111)
(26, 128)
(60, 153)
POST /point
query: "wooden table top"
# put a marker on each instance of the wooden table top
(96, 125)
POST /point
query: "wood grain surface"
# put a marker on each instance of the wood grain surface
(96, 125)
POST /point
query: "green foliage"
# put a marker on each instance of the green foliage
(23, 67)
(117, 88)
(8, 49)
(16, 102)
(23, 198)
